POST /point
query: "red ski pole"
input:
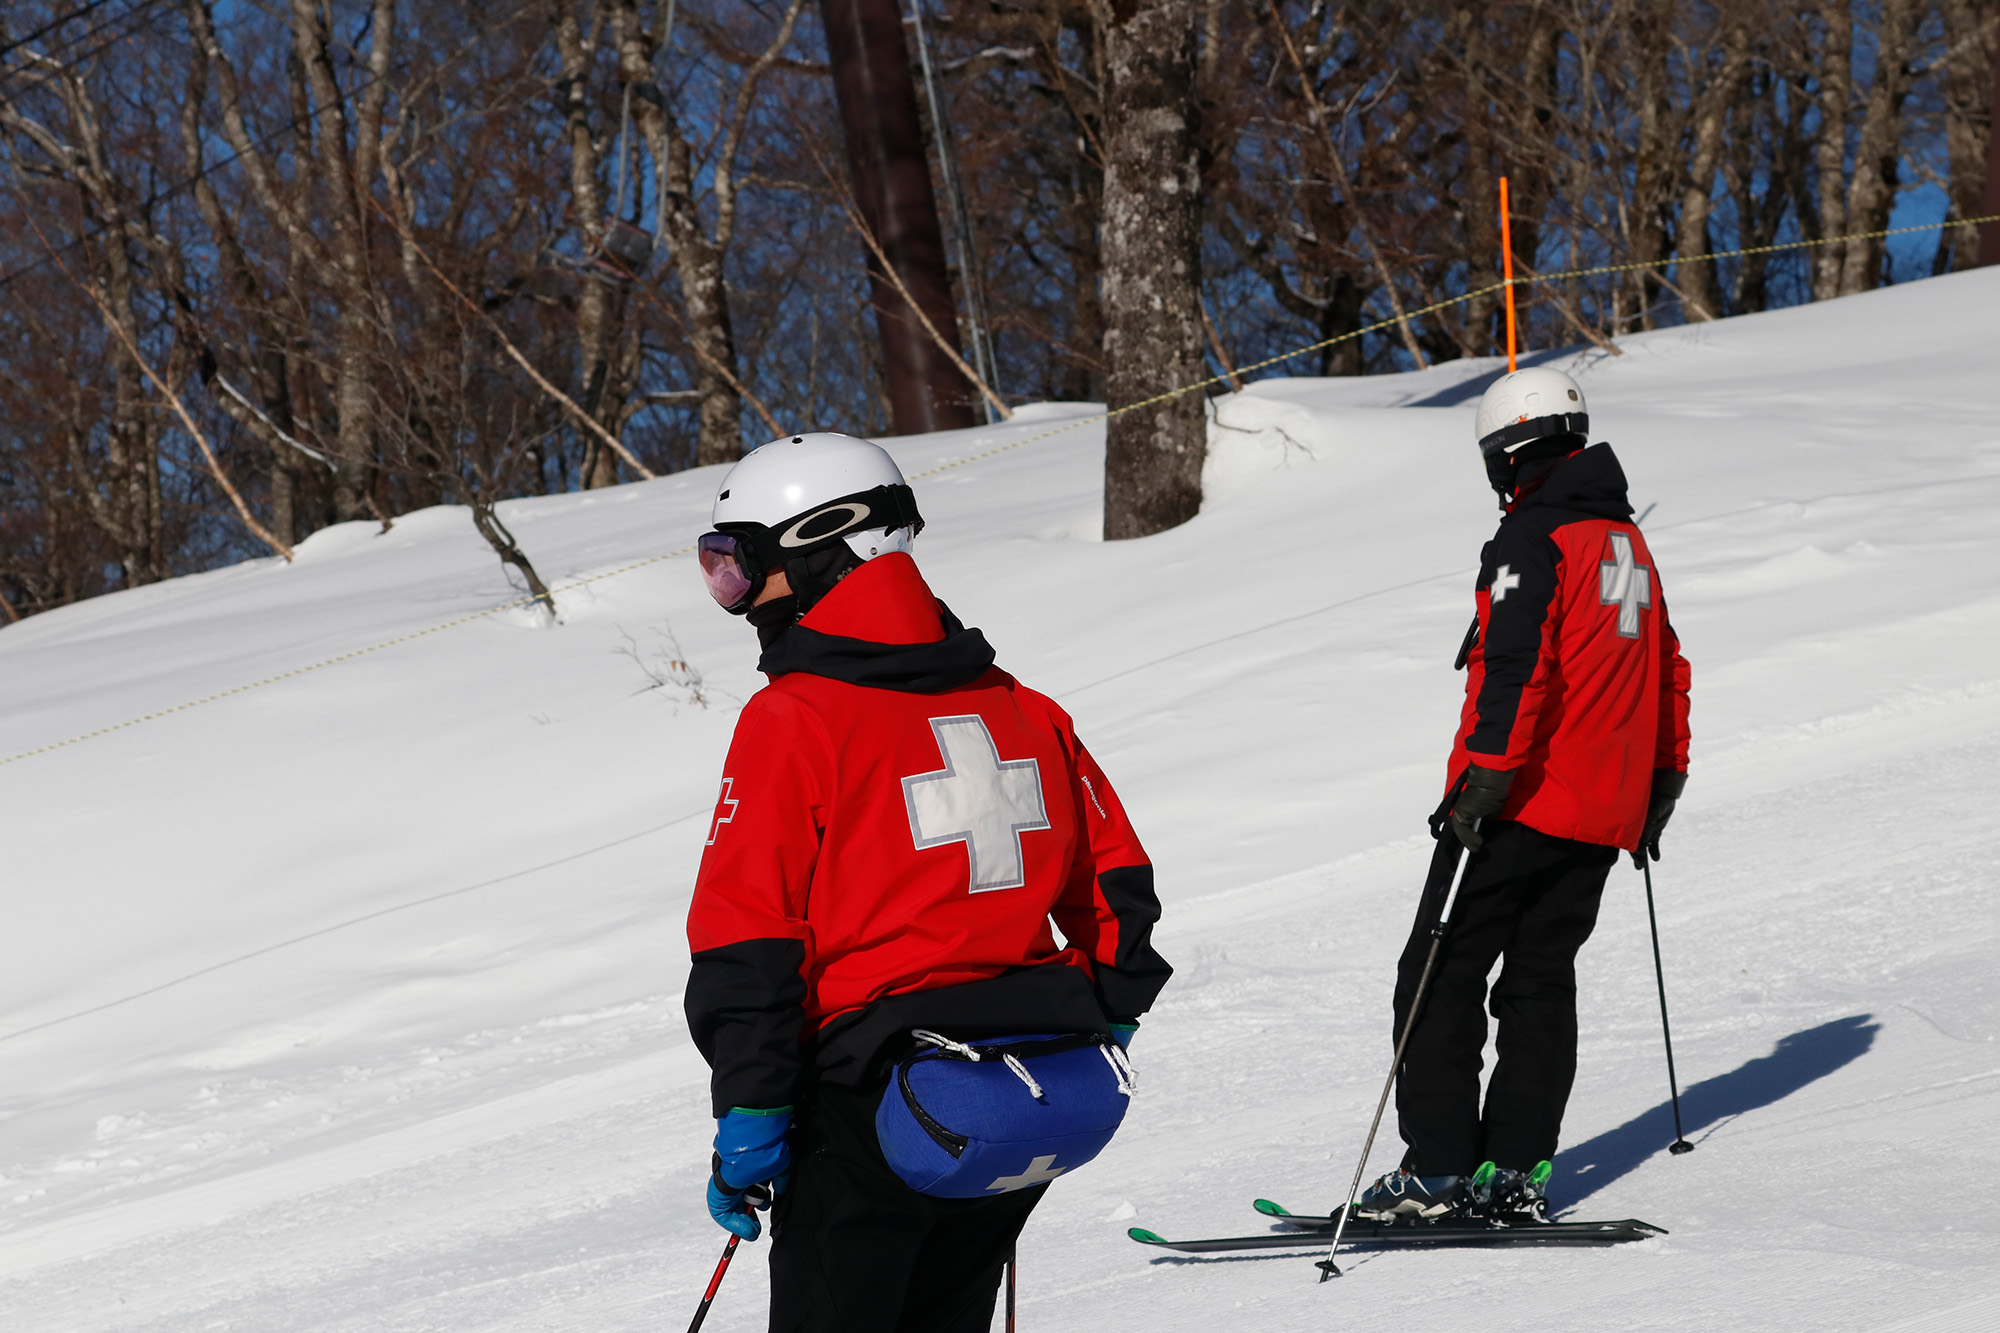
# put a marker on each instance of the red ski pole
(722, 1268)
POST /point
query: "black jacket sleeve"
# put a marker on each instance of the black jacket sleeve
(1518, 576)
(746, 1009)
(1127, 987)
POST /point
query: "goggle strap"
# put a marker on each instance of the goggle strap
(1521, 432)
(765, 549)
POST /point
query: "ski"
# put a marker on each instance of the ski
(1315, 1232)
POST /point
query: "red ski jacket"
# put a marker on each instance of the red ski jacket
(1575, 676)
(899, 827)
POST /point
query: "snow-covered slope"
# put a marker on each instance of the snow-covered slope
(352, 1001)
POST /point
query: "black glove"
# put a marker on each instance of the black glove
(1481, 797)
(1667, 788)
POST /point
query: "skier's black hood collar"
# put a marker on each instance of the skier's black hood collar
(881, 626)
(1588, 482)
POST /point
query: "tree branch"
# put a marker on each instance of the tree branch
(611, 441)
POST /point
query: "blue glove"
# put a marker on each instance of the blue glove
(1122, 1034)
(753, 1164)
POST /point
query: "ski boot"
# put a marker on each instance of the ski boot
(1505, 1197)
(1400, 1194)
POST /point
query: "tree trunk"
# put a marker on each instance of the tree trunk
(593, 306)
(1342, 314)
(1483, 327)
(346, 194)
(700, 257)
(891, 174)
(1652, 169)
(1836, 55)
(1152, 267)
(709, 328)
(704, 291)
(1083, 370)
(303, 498)
(1872, 193)
(1988, 251)
(1695, 274)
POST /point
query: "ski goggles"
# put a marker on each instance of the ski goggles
(734, 563)
(726, 572)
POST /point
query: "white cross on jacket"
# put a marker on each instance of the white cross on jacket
(978, 800)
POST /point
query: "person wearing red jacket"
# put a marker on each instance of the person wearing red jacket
(902, 830)
(1572, 745)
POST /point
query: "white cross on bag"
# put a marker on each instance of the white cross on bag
(1625, 583)
(1504, 581)
(978, 800)
(1038, 1172)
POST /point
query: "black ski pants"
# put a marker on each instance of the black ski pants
(1531, 900)
(857, 1251)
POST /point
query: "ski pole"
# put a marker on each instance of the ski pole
(1327, 1267)
(1681, 1145)
(1013, 1264)
(708, 1297)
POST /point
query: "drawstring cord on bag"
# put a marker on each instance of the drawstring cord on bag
(958, 1048)
(1021, 1072)
(1121, 1065)
(964, 1051)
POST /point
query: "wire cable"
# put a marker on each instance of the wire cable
(188, 182)
(61, 19)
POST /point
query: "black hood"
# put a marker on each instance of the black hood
(1590, 483)
(959, 658)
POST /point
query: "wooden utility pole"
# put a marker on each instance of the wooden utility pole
(891, 176)
(1152, 267)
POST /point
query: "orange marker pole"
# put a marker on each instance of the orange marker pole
(1507, 268)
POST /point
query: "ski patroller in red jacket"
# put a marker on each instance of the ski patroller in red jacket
(1575, 676)
(899, 824)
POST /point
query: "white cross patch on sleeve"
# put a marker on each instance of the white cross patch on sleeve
(1625, 583)
(725, 812)
(1505, 581)
(979, 800)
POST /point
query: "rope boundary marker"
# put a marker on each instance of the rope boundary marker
(1505, 285)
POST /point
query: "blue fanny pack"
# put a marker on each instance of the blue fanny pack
(968, 1120)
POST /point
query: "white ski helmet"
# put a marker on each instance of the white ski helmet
(790, 503)
(1529, 405)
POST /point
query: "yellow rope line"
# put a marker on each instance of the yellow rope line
(1077, 424)
(1445, 304)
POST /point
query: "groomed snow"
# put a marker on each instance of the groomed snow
(352, 1002)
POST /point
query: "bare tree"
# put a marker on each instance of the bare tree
(122, 488)
(282, 265)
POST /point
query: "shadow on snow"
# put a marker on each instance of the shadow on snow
(1467, 390)
(1800, 1059)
